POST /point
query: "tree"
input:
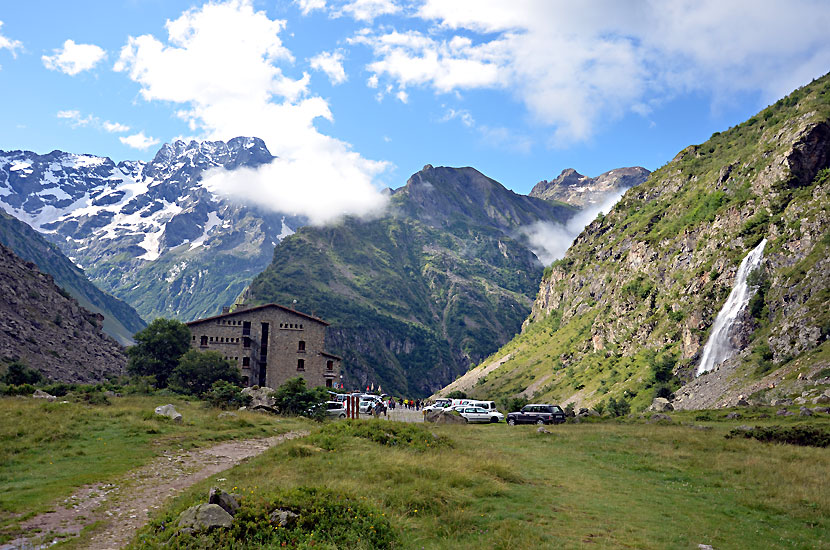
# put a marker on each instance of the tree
(225, 395)
(294, 397)
(158, 348)
(457, 394)
(198, 370)
(18, 374)
(618, 408)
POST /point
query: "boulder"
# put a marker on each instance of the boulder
(283, 518)
(262, 399)
(542, 430)
(170, 412)
(224, 500)
(800, 401)
(733, 416)
(661, 404)
(443, 417)
(824, 410)
(821, 399)
(781, 402)
(204, 517)
(40, 394)
(804, 411)
(742, 403)
(784, 412)
(226, 414)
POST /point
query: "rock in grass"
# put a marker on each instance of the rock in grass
(224, 500)
(283, 518)
(443, 417)
(659, 417)
(170, 412)
(40, 394)
(733, 416)
(804, 411)
(204, 517)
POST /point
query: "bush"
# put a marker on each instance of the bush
(513, 404)
(158, 349)
(808, 436)
(18, 373)
(456, 394)
(225, 395)
(618, 408)
(294, 398)
(198, 370)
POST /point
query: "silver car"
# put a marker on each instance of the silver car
(335, 409)
(477, 414)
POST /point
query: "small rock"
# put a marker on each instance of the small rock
(204, 517)
(658, 417)
(170, 412)
(744, 428)
(283, 518)
(824, 410)
(40, 394)
(781, 402)
(227, 414)
(821, 399)
(704, 547)
(733, 416)
(542, 430)
(225, 500)
(800, 401)
(804, 411)
(742, 403)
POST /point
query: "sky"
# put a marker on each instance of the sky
(356, 95)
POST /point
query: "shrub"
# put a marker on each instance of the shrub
(457, 394)
(294, 398)
(512, 404)
(18, 373)
(225, 395)
(618, 408)
(809, 436)
(198, 370)
(600, 407)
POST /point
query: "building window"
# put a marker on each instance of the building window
(204, 341)
(194, 338)
(245, 381)
(329, 365)
(301, 326)
(300, 364)
(246, 361)
(301, 346)
(328, 382)
(246, 342)
(246, 328)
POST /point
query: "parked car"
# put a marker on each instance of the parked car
(440, 403)
(489, 405)
(366, 406)
(335, 409)
(477, 414)
(537, 414)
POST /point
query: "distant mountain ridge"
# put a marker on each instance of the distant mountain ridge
(149, 233)
(121, 321)
(46, 329)
(573, 188)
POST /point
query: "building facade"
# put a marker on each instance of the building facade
(270, 344)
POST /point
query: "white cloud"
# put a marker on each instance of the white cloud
(9, 44)
(76, 120)
(220, 63)
(549, 241)
(461, 114)
(139, 141)
(330, 63)
(367, 10)
(115, 127)
(307, 6)
(74, 58)
(402, 96)
(577, 65)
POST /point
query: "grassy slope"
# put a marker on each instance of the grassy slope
(48, 449)
(690, 224)
(607, 485)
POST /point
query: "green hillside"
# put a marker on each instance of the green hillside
(626, 312)
(419, 294)
(120, 320)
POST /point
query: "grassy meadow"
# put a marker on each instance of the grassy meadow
(609, 484)
(49, 449)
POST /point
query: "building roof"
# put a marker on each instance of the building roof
(256, 308)
(333, 356)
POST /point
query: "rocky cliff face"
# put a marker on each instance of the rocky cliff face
(120, 320)
(44, 327)
(639, 289)
(149, 233)
(574, 188)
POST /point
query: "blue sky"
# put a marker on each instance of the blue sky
(359, 94)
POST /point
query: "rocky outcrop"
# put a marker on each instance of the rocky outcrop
(42, 326)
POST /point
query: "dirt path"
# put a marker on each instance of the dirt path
(126, 506)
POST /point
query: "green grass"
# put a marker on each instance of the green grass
(598, 485)
(49, 449)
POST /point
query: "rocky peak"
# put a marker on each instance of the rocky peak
(190, 159)
(572, 187)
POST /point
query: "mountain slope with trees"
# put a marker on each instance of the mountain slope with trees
(626, 312)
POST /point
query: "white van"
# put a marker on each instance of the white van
(487, 405)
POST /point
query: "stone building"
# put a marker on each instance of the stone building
(270, 344)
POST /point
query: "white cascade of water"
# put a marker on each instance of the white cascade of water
(719, 348)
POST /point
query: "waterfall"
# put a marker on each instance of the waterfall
(719, 348)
